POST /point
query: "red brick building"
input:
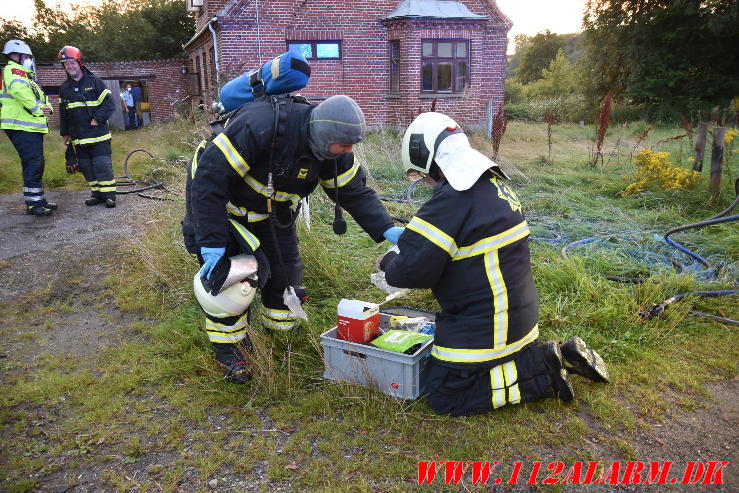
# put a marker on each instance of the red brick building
(396, 58)
(162, 86)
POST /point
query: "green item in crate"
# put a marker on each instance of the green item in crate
(400, 341)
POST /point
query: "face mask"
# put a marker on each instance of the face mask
(28, 63)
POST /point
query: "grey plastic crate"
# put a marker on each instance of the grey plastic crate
(397, 374)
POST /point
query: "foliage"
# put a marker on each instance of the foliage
(656, 168)
(514, 91)
(676, 57)
(539, 53)
(572, 108)
(114, 31)
(557, 80)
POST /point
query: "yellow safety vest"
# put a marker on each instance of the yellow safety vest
(22, 100)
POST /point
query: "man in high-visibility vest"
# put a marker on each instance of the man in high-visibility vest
(85, 105)
(23, 116)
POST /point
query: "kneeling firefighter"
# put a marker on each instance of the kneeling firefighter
(469, 244)
(243, 193)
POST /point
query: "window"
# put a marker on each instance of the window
(445, 65)
(394, 67)
(316, 50)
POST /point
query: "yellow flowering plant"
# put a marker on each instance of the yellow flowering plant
(656, 168)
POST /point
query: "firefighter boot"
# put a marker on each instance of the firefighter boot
(51, 205)
(110, 203)
(94, 200)
(230, 357)
(38, 210)
(560, 380)
(584, 361)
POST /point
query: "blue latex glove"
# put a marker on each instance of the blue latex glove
(211, 256)
(392, 234)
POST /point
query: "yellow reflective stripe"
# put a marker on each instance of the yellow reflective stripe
(254, 217)
(433, 234)
(278, 313)
(261, 189)
(107, 189)
(227, 338)
(273, 324)
(252, 240)
(496, 242)
(481, 355)
(343, 178)
(500, 298)
(511, 379)
(97, 102)
(92, 140)
(232, 155)
(497, 384)
(211, 326)
(236, 210)
(194, 164)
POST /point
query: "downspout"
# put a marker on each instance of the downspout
(215, 52)
(259, 36)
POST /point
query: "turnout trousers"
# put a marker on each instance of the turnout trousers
(229, 334)
(30, 148)
(96, 166)
(458, 392)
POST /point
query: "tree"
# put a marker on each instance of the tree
(114, 31)
(673, 56)
(557, 80)
(540, 52)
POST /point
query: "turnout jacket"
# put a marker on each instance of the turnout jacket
(79, 103)
(471, 249)
(21, 100)
(228, 177)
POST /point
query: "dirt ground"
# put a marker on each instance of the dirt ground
(73, 249)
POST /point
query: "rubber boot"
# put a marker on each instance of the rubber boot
(584, 361)
(38, 210)
(560, 380)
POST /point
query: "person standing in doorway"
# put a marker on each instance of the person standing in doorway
(127, 97)
(85, 105)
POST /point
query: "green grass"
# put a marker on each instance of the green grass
(159, 399)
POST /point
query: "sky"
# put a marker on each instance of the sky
(528, 16)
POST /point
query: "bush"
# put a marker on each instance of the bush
(571, 108)
(656, 168)
(513, 92)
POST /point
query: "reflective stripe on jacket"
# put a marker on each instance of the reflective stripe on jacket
(22, 100)
(471, 249)
(79, 103)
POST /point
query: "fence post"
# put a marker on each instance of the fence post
(717, 159)
(700, 146)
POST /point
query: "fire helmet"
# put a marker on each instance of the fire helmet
(70, 53)
(17, 46)
(230, 289)
(436, 138)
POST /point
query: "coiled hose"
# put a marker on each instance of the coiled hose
(127, 181)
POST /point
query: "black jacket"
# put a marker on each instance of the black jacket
(230, 175)
(81, 101)
(471, 249)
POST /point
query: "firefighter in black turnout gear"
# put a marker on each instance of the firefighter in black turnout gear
(243, 192)
(469, 244)
(85, 105)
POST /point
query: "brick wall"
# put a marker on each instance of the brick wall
(363, 71)
(164, 82)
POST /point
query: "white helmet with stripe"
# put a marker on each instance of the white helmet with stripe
(17, 46)
(237, 279)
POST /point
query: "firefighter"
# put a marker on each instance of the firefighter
(243, 191)
(24, 109)
(469, 245)
(85, 105)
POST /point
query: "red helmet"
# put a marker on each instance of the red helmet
(70, 53)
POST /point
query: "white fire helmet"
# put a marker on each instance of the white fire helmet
(435, 137)
(235, 294)
(17, 46)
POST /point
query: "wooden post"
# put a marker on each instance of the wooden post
(717, 159)
(700, 146)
